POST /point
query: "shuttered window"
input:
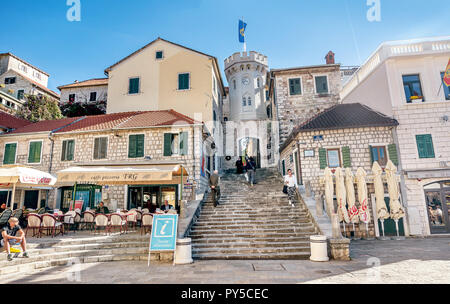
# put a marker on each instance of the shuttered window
(346, 158)
(136, 146)
(323, 158)
(34, 152)
(133, 87)
(393, 156)
(333, 158)
(425, 146)
(68, 147)
(100, 147)
(175, 143)
(9, 157)
(183, 81)
(321, 84)
(295, 87)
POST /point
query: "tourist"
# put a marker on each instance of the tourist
(3, 207)
(101, 208)
(166, 207)
(251, 170)
(239, 166)
(291, 182)
(214, 180)
(9, 237)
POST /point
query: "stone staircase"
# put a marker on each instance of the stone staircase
(82, 247)
(252, 222)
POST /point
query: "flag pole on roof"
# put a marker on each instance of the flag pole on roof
(242, 26)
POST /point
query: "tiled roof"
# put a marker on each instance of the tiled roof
(156, 118)
(98, 122)
(45, 126)
(44, 88)
(343, 116)
(86, 83)
(11, 122)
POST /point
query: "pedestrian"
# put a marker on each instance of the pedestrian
(2, 207)
(291, 182)
(214, 184)
(9, 237)
(239, 166)
(251, 170)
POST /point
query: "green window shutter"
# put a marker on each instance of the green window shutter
(371, 155)
(167, 144)
(283, 167)
(346, 157)
(96, 148)
(393, 156)
(64, 149)
(183, 81)
(9, 157)
(34, 153)
(133, 87)
(184, 143)
(71, 150)
(132, 146)
(140, 145)
(323, 158)
(425, 146)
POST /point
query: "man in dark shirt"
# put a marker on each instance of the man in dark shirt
(214, 181)
(9, 237)
(166, 207)
(101, 208)
(2, 207)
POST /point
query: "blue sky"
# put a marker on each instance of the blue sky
(289, 32)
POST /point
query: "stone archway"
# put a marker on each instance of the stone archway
(250, 146)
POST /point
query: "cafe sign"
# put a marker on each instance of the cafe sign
(113, 177)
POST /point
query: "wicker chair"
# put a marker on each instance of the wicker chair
(101, 220)
(172, 211)
(17, 213)
(77, 219)
(88, 220)
(139, 217)
(147, 222)
(41, 211)
(51, 225)
(4, 217)
(116, 221)
(145, 210)
(34, 223)
(132, 218)
(69, 219)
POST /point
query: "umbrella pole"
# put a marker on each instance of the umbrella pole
(382, 230)
(74, 195)
(12, 196)
(398, 238)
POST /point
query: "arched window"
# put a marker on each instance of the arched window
(249, 101)
(234, 84)
(244, 102)
(258, 83)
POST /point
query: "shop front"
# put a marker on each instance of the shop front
(152, 196)
(437, 196)
(88, 196)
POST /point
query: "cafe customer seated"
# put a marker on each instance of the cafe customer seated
(101, 208)
(166, 207)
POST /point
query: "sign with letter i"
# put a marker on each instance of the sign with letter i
(164, 233)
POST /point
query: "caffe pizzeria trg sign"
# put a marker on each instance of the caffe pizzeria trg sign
(113, 177)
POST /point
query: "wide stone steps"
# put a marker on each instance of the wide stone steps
(223, 240)
(232, 221)
(252, 244)
(253, 256)
(276, 226)
(245, 250)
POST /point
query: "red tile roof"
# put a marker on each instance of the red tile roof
(86, 83)
(156, 118)
(11, 122)
(45, 126)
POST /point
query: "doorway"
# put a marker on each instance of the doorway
(437, 198)
(31, 199)
(250, 146)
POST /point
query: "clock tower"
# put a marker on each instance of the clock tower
(248, 129)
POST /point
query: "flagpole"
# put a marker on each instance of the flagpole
(245, 42)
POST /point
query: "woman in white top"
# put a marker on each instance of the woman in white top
(291, 182)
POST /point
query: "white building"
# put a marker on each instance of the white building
(249, 130)
(403, 79)
(92, 90)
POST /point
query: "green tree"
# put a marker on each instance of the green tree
(39, 107)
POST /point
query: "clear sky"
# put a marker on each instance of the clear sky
(289, 32)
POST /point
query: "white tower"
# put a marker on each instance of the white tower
(247, 129)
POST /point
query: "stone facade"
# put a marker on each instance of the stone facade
(293, 110)
(82, 94)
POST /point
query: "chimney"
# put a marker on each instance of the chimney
(76, 81)
(330, 57)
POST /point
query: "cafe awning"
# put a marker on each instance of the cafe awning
(25, 177)
(123, 175)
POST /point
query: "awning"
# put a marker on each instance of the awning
(25, 177)
(123, 175)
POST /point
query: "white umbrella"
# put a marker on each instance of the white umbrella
(341, 196)
(350, 187)
(328, 179)
(364, 214)
(397, 211)
(382, 212)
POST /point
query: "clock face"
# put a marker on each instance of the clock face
(245, 81)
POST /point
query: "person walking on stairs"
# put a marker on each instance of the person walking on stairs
(251, 170)
(214, 181)
(291, 182)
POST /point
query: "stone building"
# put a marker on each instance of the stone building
(129, 139)
(299, 93)
(9, 122)
(249, 127)
(87, 91)
(346, 136)
(19, 78)
(404, 79)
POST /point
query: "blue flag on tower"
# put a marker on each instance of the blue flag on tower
(242, 26)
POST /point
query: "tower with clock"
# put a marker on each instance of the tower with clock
(248, 129)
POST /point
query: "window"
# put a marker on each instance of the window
(136, 146)
(234, 84)
(133, 87)
(93, 96)
(321, 84)
(72, 97)
(20, 94)
(34, 152)
(175, 143)
(10, 80)
(249, 101)
(283, 167)
(425, 146)
(159, 55)
(183, 81)
(214, 116)
(23, 68)
(267, 95)
(244, 101)
(295, 87)
(9, 157)
(413, 89)
(67, 150)
(37, 75)
(379, 155)
(333, 158)
(100, 147)
(446, 88)
(258, 83)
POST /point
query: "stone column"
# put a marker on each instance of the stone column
(308, 188)
(319, 205)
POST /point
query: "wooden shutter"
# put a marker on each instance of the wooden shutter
(132, 146)
(323, 158)
(346, 159)
(140, 145)
(96, 148)
(10, 154)
(184, 143)
(393, 156)
(71, 146)
(167, 144)
(371, 154)
(34, 153)
(103, 142)
(425, 146)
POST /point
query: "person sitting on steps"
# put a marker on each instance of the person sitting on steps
(9, 238)
(291, 182)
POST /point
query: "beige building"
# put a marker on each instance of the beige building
(403, 79)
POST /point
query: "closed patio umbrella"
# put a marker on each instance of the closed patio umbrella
(341, 196)
(364, 214)
(397, 210)
(329, 189)
(350, 187)
(382, 212)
